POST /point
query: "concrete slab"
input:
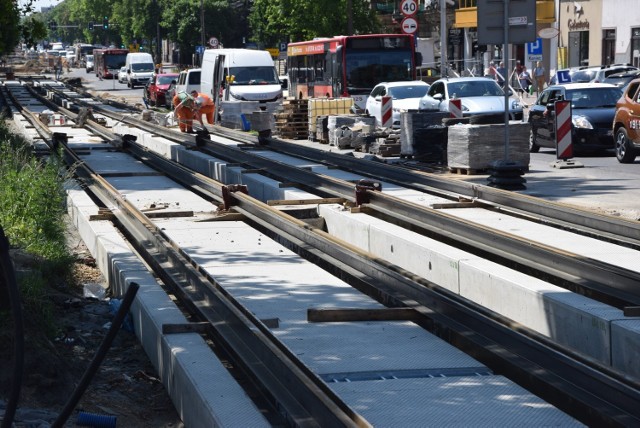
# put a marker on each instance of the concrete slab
(625, 346)
(201, 388)
(565, 240)
(479, 401)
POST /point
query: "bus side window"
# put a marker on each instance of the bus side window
(319, 72)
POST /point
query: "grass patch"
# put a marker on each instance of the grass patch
(32, 202)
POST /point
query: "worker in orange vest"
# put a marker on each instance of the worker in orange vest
(184, 110)
(204, 106)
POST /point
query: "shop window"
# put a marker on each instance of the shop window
(608, 47)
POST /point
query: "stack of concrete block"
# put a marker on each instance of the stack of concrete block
(476, 147)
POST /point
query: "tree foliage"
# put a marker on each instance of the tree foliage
(233, 22)
(273, 21)
(13, 29)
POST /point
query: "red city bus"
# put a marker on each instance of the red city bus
(349, 66)
(107, 62)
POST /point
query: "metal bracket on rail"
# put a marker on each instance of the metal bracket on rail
(202, 137)
(362, 188)
(227, 200)
(125, 140)
(58, 138)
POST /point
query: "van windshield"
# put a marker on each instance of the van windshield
(255, 75)
(142, 67)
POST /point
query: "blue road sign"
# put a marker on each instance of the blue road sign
(563, 76)
(535, 48)
(199, 50)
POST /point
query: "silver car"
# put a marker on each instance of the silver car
(122, 75)
(479, 96)
(89, 63)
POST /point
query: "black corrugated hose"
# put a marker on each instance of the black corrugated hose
(8, 281)
(98, 357)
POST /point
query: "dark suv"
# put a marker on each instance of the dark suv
(626, 124)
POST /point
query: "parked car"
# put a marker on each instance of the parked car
(122, 75)
(571, 71)
(595, 74)
(89, 63)
(626, 124)
(592, 110)
(607, 70)
(479, 96)
(404, 96)
(621, 80)
(188, 80)
(168, 96)
(155, 90)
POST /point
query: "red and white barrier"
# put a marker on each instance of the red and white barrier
(455, 108)
(564, 145)
(386, 113)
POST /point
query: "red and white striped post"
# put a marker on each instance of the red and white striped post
(564, 145)
(455, 108)
(386, 113)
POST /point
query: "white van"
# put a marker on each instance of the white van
(140, 68)
(188, 80)
(253, 75)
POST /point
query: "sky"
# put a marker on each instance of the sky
(38, 4)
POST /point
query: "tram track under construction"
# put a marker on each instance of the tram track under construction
(344, 295)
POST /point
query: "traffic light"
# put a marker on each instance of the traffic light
(91, 24)
(105, 23)
(53, 25)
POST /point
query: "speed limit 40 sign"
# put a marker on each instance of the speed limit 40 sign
(409, 7)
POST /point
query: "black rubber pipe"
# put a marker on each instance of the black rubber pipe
(8, 279)
(99, 357)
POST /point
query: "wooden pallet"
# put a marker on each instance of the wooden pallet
(467, 171)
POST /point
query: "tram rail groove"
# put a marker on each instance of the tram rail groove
(565, 380)
(615, 285)
(519, 367)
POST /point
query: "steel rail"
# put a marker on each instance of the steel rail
(564, 380)
(588, 222)
(620, 284)
(560, 215)
(299, 394)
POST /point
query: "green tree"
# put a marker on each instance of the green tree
(30, 29)
(9, 26)
(224, 20)
(272, 21)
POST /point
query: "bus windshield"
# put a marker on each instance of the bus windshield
(115, 61)
(365, 69)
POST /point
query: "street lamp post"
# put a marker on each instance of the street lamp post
(202, 23)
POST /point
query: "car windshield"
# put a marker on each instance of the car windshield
(621, 79)
(593, 97)
(474, 88)
(402, 92)
(583, 76)
(255, 75)
(142, 67)
(90, 58)
(165, 80)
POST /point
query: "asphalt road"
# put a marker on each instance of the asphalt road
(602, 183)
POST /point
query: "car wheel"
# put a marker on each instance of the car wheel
(624, 151)
(533, 145)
